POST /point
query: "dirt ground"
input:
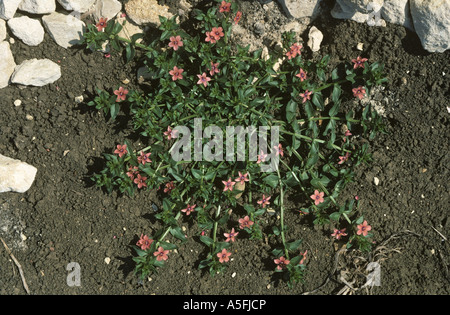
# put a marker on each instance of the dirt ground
(64, 218)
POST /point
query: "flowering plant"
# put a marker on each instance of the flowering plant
(204, 78)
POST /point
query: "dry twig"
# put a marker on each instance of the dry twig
(17, 264)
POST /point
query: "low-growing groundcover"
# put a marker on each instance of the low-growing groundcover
(412, 262)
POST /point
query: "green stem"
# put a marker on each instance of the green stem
(216, 223)
(283, 237)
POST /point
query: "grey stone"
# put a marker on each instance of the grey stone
(8, 8)
(36, 72)
(301, 8)
(38, 6)
(28, 30)
(7, 65)
(66, 30)
(15, 175)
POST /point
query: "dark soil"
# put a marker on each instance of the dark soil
(65, 218)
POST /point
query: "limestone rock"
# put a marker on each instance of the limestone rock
(77, 5)
(432, 23)
(15, 175)
(315, 38)
(129, 29)
(8, 8)
(361, 11)
(7, 65)
(36, 72)
(28, 30)
(301, 8)
(107, 9)
(38, 6)
(66, 30)
(146, 11)
(2, 30)
(397, 12)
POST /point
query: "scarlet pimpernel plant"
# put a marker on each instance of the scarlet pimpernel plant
(203, 85)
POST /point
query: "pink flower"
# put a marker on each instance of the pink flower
(224, 256)
(301, 75)
(144, 158)
(347, 133)
(237, 18)
(140, 181)
(317, 197)
(169, 187)
(225, 7)
(170, 134)
(107, 55)
(214, 68)
(359, 92)
(242, 178)
(121, 150)
(144, 242)
(203, 79)
(339, 233)
(264, 201)
(121, 94)
(176, 73)
(188, 209)
(279, 150)
(303, 257)
(230, 236)
(363, 228)
(359, 62)
(101, 24)
(161, 254)
(228, 184)
(175, 42)
(217, 32)
(343, 159)
(306, 96)
(261, 157)
(210, 37)
(245, 222)
(294, 50)
(281, 262)
(356, 198)
(132, 171)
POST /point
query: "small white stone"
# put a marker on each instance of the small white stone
(29, 117)
(233, 275)
(17, 102)
(376, 181)
(360, 46)
(79, 99)
(315, 38)
(107, 260)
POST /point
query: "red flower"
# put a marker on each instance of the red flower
(230, 236)
(363, 228)
(176, 73)
(121, 150)
(281, 262)
(228, 184)
(101, 24)
(132, 171)
(203, 79)
(214, 68)
(161, 254)
(189, 209)
(294, 50)
(242, 178)
(264, 201)
(303, 257)
(225, 7)
(359, 62)
(306, 96)
(279, 150)
(237, 17)
(170, 134)
(261, 157)
(245, 222)
(359, 92)
(175, 42)
(210, 37)
(224, 256)
(144, 242)
(144, 158)
(301, 75)
(140, 181)
(344, 158)
(169, 187)
(339, 233)
(317, 197)
(217, 32)
(121, 94)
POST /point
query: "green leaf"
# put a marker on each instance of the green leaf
(207, 240)
(292, 246)
(291, 110)
(178, 233)
(168, 246)
(335, 216)
(317, 100)
(271, 180)
(196, 173)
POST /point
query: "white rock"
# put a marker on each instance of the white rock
(38, 6)
(66, 30)
(360, 46)
(77, 5)
(2, 30)
(17, 102)
(361, 11)
(30, 31)
(301, 8)
(315, 38)
(36, 72)
(397, 12)
(106, 9)
(7, 65)
(129, 29)
(376, 181)
(432, 23)
(146, 12)
(107, 260)
(8, 8)
(15, 175)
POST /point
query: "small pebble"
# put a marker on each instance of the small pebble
(360, 46)
(29, 117)
(233, 275)
(79, 99)
(376, 181)
(107, 260)
(17, 102)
